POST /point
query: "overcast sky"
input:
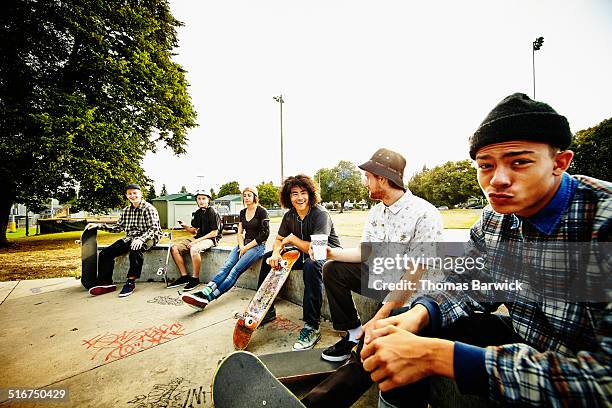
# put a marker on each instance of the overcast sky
(414, 76)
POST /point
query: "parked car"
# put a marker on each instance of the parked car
(229, 221)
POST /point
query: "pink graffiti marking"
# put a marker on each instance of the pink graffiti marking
(119, 345)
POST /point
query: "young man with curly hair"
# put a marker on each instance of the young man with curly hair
(305, 217)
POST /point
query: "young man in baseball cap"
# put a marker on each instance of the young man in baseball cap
(140, 221)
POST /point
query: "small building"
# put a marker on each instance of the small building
(229, 204)
(175, 207)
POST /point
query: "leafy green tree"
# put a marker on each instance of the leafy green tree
(87, 87)
(183, 190)
(151, 193)
(164, 192)
(268, 195)
(341, 183)
(229, 188)
(593, 151)
(213, 195)
(449, 184)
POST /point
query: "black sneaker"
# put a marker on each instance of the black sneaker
(340, 351)
(183, 280)
(128, 288)
(271, 315)
(196, 300)
(192, 284)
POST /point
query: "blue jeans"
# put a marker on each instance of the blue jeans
(234, 266)
(312, 274)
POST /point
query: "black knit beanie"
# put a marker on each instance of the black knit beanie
(517, 117)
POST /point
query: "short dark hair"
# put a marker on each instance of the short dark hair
(303, 181)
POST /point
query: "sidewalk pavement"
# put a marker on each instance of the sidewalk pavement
(145, 350)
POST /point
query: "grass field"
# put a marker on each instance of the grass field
(57, 255)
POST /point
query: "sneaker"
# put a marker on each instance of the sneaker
(196, 300)
(307, 339)
(102, 289)
(207, 291)
(183, 280)
(270, 316)
(128, 289)
(340, 351)
(193, 282)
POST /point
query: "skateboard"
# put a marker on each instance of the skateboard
(164, 270)
(89, 257)
(242, 380)
(263, 300)
(293, 366)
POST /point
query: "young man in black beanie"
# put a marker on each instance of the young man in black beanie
(555, 346)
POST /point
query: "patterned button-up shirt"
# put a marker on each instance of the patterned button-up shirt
(566, 356)
(138, 222)
(409, 219)
(411, 222)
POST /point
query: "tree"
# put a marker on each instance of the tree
(213, 195)
(229, 188)
(268, 195)
(183, 190)
(151, 193)
(593, 151)
(449, 184)
(86, 89)
(341, 183)
(164, 192)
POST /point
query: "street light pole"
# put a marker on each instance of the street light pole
(280, 100)
(536, 45)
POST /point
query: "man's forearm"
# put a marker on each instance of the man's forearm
(346, 255)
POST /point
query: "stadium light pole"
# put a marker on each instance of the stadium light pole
(280, 101)
(537, 44)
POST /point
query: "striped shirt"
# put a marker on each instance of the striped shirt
(140, 222)
(566, 356)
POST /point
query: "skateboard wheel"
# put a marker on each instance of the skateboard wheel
(249, 322)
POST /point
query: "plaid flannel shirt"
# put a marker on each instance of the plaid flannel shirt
(566, 356)
(140, 222)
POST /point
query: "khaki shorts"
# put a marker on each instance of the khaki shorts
(199, 246)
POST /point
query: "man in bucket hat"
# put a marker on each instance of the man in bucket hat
(399, 217)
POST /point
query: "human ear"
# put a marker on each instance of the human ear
(562, 161)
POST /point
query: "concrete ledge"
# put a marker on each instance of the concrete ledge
(213, 260)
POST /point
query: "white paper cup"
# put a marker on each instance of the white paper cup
(319, 246)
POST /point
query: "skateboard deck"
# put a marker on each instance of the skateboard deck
(263, 300)
(241, 380)
(89, 258)
(293, 366)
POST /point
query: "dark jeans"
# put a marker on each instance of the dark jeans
(106, 260)
(340, 278)
(312, 273)
(351, 381)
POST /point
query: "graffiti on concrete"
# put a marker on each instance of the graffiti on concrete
(113, 346)
(280, 323)
(195, 397)
(166, 301)
(178, 393)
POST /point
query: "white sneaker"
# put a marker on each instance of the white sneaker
(307, 339)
